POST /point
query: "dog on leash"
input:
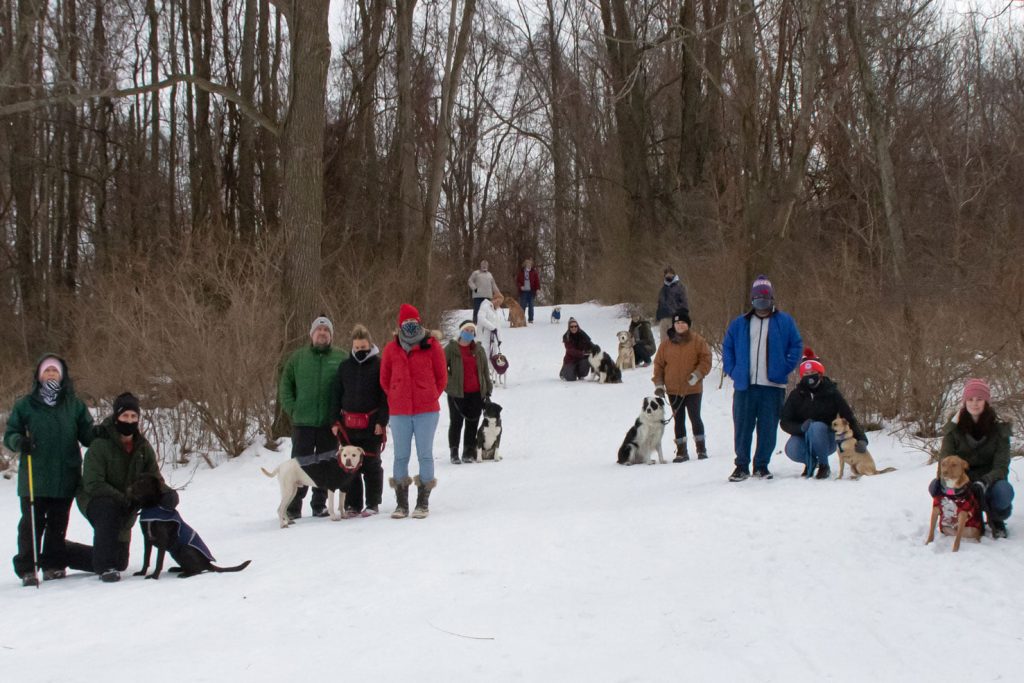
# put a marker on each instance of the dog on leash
(488, 436)
(957, 510)
(516, 314)
(644, 437)
(605, 371)
(333, 473)
(627, 358)
(164, 529)
(556, 314)
(846, 442)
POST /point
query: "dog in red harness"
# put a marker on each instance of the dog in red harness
(956, 510)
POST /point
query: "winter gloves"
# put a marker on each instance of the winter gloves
(659, 391)
(27, 445)
(695, 377)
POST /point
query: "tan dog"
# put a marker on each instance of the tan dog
(291, 476)
(626, 359)
(956, 511)
(860, 463)
(516, 314)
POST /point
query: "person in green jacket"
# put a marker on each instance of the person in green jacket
(47, 424)
(469, 386)
(977, 435)
(304, 392)
(115, 459)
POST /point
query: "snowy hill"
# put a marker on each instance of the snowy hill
(553, 565)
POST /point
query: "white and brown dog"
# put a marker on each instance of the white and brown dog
(644, 437)
(334, 473)
(626, 359)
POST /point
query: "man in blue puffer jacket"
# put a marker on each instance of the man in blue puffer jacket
(760, 349)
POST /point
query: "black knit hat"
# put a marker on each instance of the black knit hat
(124, 402)
(682, 314)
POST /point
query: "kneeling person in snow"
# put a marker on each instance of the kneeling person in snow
(680, 366)
(575, 363)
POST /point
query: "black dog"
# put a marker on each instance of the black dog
(165, 529)
(488, 437)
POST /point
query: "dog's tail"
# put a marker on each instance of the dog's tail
(236, 568)
(887, 469)
(270, 474)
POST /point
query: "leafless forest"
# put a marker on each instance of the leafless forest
(184, 184)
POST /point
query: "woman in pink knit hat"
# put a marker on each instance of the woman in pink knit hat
(977, 435)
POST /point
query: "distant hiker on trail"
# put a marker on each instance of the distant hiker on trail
(528, 283)
(481, 287)
(643, 340)
(469, 385)
(671, 298)
(807, 417)
(680, 367)
(115, 459)
(48, 424)
(305, 395)
(414, 375)
(977, 435)
(575, 364)
(761, 348)
(359, 415)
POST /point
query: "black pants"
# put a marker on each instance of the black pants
(108, 518)
(574, 370)
(464, 411)
(641, 354)
(370, 474)
(51, 526)
(307, 441)
(691, 403)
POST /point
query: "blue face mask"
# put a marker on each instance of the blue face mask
(467, 336)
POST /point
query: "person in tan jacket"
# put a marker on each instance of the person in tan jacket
(680, 366)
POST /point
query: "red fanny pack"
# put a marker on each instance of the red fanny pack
(357, 420)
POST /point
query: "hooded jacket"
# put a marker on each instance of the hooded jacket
(784, 351)
(577, 345)
(676, 360)
(414, 379)
(671, 298)
(822, 404)
(56, 430)
(357, 389)
(989, 459)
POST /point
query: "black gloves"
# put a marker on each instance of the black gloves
(27, 445)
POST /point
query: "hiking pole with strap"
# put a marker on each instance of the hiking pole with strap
(32, 513)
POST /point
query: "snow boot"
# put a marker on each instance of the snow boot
(681, 454)
(401, 497)
(30, 579)
(702, 448)
(763, 473)
(455, 455)
(739, 474)
(423, 497)
(824, 472)
(110, 576)
(998, 528)
(468, 455)
(53, 574)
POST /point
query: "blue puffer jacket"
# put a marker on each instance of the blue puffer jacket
(784, 349)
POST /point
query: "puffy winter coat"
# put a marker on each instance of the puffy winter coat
(822, 404)
(488, 320)
(989, 459)
(57, 430)
(456, 371)
(642, 334)
(671, 298)
(576, 346)
(305, 386)
(784, 349)
(534, 279)
(357, 389)
(677, 359)
(415, 379)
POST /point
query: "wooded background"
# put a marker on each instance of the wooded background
(185, 184)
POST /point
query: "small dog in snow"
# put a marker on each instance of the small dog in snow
(644, 437)
(488, 436)
(292, 475)
(556, 314)
(605, 371)
(626, 359)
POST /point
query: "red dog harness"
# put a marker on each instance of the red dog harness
(954, 501)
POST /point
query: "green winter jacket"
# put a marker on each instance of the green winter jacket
(453, 358)
(57, 431)
(989, 459)
(305, 387)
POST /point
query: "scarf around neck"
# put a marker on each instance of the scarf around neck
(49, 391)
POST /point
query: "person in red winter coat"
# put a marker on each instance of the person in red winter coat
(528, 284)
(413, 374)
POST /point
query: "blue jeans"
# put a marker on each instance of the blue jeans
(813, 447)
(403, 429)
(477, 300)
(756, 408)
(998, 497)
(526, 301)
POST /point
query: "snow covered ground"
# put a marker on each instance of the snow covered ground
(555, 564)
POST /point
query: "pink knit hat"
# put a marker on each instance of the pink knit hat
(51, 362)
(977, 388)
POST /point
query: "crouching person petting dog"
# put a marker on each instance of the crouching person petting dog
(360, 410)
(469, 386)
(807, 417)
(413, 374)
(575, 363)
(116, 458)
(680, 366)
(982, 440)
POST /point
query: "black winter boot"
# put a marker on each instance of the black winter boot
(824, 472)
(401, 496)
(455, 455)
(422, 497)
(468, 455)
(702, 448)
(681, 453)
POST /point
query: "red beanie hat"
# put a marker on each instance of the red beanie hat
(977, 388)
(407, 312)
(810, 363)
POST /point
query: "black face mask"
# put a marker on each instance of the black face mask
(669, 279)
(361, 355)
(126, 428)
(811, 381)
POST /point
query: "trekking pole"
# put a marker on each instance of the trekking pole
(32, 515)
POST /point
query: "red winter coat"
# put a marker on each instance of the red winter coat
(415, 380)
(534, 279)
